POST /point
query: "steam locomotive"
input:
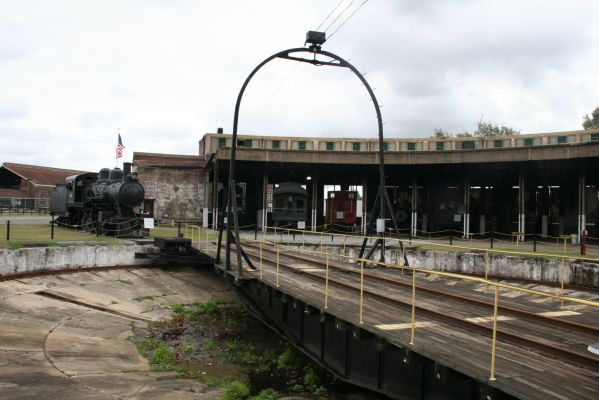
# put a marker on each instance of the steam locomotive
(105, 202)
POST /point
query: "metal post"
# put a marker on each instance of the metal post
(492, 236)
(361, 290)
(492, 378)
(413, 306)
(7, 231)
(486, 265)
(534, 242)
(52, 228)
(561, 278)
(326, 285)
(450, 239)
(261, 264)
(179, 229)
(278, 249)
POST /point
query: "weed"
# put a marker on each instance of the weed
(320, 391)
(209, 345)
(146, 346)
(143, 298)
(235, 391)
(266, 394)
(311, 379)
(206, 308)
(114, 302)
(125, 281)
(178, 309)
(288, 359)
(163, 358)
(296, 388)
(187, 348)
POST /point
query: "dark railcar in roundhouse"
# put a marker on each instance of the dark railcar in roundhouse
(290, 202)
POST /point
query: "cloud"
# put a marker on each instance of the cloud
(166, 72)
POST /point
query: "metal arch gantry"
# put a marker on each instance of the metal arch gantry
(381, 203)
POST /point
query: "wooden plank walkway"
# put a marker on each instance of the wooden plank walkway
(520, 371)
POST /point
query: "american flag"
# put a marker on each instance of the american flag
(119, 148)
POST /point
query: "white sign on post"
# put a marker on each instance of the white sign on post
(149, 223)
(301, 224)
(380, 225)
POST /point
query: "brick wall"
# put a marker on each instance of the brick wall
(177, 191)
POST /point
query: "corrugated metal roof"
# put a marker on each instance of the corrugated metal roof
(168, 160)
(40, 175)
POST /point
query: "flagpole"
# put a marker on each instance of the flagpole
(118, 131)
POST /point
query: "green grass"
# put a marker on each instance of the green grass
(40, 234)
(163, 358)
(125, 281)
(195, 310)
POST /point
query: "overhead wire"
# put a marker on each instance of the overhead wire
(329, 16)
(340, 14)
(347, 19)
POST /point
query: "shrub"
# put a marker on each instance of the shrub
(235, 391)
(266, 394)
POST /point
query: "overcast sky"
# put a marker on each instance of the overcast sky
(166, 72)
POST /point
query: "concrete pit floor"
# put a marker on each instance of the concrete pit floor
(66, 336)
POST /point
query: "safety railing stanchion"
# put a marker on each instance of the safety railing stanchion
(303, 239)
(321, 238)
(326, 285)
(413, 306)
(486, 264)
(492, 378)
(361, 291)
(278, 250)
(344, 240)
(561, 279)
(261, 265)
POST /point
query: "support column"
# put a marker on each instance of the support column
(206, 205)
(581, 201)
(466, 227)
(264, 203)
(364, 205)
(215, 197)
(414, 220)
(521, 205)
(314, 203)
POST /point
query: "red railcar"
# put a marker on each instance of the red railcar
(341, 207)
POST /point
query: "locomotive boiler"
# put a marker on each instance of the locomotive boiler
(107, 201)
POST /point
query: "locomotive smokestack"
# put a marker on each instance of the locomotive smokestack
(126, 169)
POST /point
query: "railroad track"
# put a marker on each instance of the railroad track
(517, 331)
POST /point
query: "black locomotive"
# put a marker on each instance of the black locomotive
(105, 202)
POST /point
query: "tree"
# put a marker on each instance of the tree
(483, 129)
(489, 129)
(593, 121)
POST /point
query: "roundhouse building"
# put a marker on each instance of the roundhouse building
(533, 183)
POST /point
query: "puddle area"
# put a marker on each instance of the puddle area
(221, 345)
